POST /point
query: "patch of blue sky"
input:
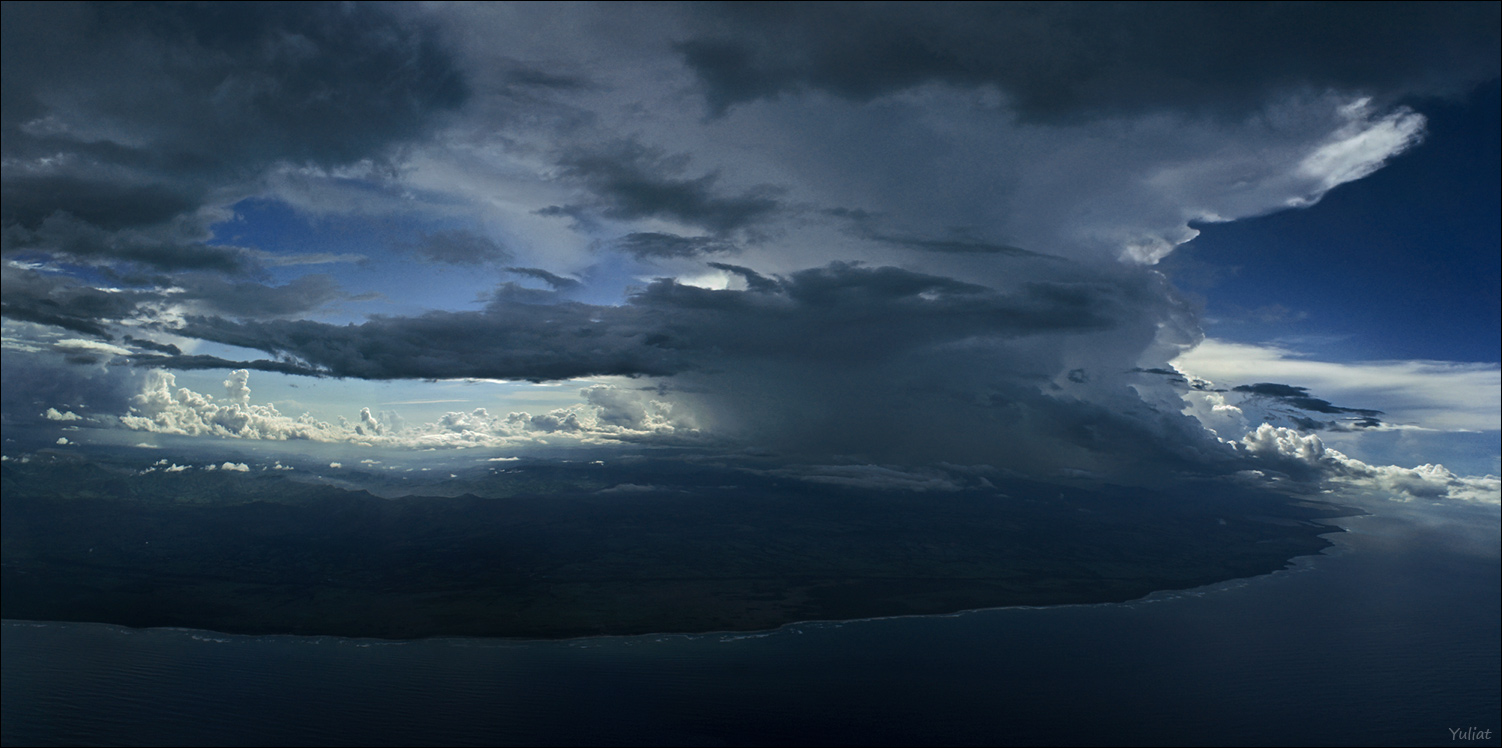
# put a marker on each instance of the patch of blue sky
(369, 256)
(1403, 264)
(388, 279)
(1464, 452)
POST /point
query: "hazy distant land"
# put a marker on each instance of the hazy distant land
(555, 556)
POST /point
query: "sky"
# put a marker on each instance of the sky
(1108, 242)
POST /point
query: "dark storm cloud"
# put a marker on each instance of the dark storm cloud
(632, 181)
(653, 244)
(1173, 376)
(523, 75)
(214, 362)
(956, 246)
(458, 247)
(152, 345)
(509, 340)
(1177, 378)
(754, 281)
(92, 201)
(557, 282)
(36, 381)
(841, 314)
(868, 225)
(1061, 59)
(128, 116)
(1299, 397)
(255, 300)
(65, 302)
(166, 247)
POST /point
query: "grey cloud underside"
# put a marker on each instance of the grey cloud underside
(554, 281)
(153, 346)
(63, 302)
(1299, 398)
(869, 225)
(754, 281)
(657, 245)
(191, 362)
(68, 303)
(1062, 60)
(527, 76)
(630, 181)
(1173, 376)
(956, 246)
(131, 117)
(36, 381)
(1282, 403)
(168, 246)
(841, 314)
(255, 300)
(458, 247)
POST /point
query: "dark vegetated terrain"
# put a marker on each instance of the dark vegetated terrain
(684, 549)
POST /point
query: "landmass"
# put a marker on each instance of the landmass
(563, 551)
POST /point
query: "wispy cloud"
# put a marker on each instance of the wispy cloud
(1433, 394)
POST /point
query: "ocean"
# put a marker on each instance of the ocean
(1392, 637)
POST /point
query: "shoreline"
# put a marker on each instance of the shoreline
(1287, 565)
(341, 563)
(732, 634)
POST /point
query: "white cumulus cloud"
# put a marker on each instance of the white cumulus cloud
(1430, 481)
(607, 414)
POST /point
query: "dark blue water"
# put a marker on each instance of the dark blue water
(1392, 638)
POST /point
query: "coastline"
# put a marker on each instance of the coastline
(322, 560)
(1242, 661)
(735, 606)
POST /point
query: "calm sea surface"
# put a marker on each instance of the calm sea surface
(1394, 637)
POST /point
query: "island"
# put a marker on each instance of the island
(555, 550)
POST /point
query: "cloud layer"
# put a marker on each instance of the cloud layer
(1060, 61)
(123, 123)
(606, 414)
(1430, 394)
(884, 235)
(1286, 449)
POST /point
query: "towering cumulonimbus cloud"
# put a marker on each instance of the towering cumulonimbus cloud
(887, 232)
(879, 362)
